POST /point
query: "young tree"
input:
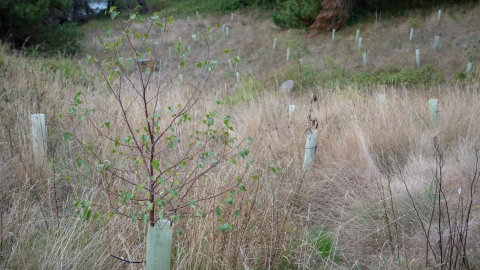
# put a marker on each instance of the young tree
(153, 158)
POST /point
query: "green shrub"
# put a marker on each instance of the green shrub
(394, 75)
(58, 37)
(296, 14)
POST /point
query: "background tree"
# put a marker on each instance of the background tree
(47, 23)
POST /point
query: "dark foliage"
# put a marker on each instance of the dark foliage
(295, 14)
(50, 25)
(325, 15)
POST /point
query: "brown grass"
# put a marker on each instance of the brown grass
(362, 145)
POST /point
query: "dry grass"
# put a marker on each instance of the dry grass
(364, 146)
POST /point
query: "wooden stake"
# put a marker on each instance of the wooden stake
(433, 108)
(469, 68)
(417, 55)
(291, 110)
(310, 150)
(382, 98)
(437, 41)
(39, 139)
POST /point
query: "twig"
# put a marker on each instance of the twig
(123, 260)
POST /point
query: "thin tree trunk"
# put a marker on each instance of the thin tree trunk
(143, 4)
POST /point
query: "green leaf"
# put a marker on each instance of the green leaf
(199, 64)
(218, 211)
(174, 192)
(210, 121)
(145, 217)
(225, 227)
(161, 203)
(127, 139)
(192, 202)
(236, 59)
(244, 152)
(107, 123)
(236, 213)
(234, 161)
(242, 187)
(134, 217)
(87, 214)
(85, 204)
(113, 14)
(126, 196)
(156, 164)
(67, 137)
(170, 144)
(229, 200)
(149, 207)
(76, 99)
(79, 162)
(180, 231)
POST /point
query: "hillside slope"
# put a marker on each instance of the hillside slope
(387, 166)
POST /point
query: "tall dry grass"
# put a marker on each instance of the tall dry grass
(368, 152)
